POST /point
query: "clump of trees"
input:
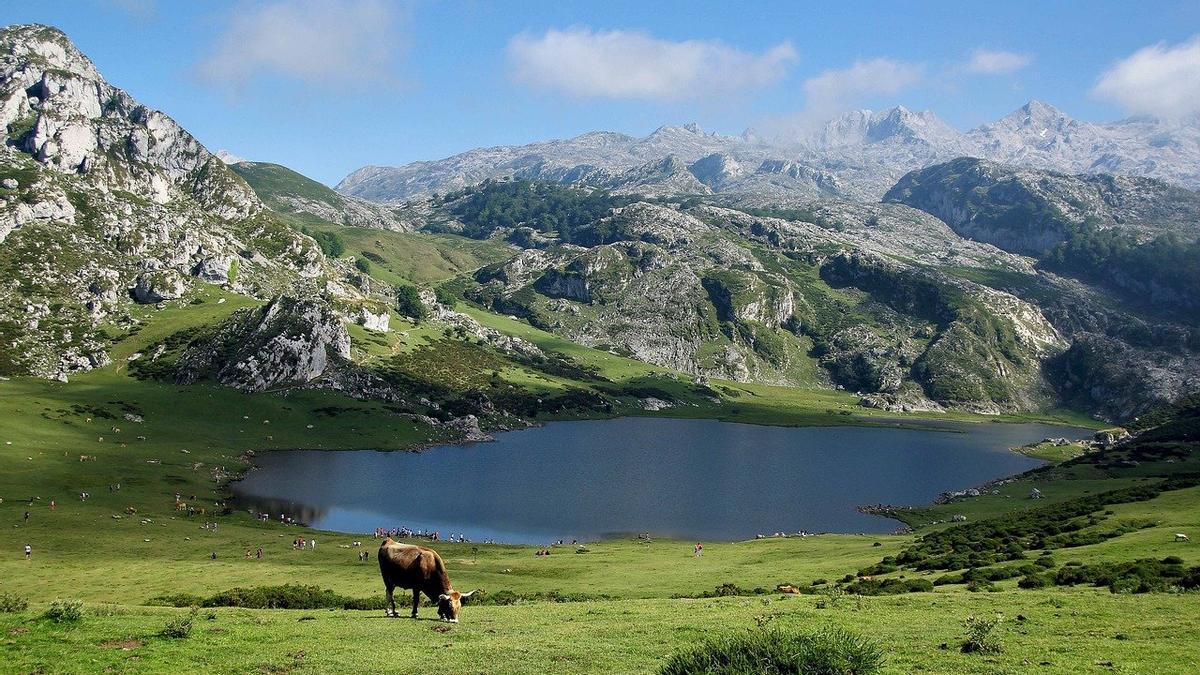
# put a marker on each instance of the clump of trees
(1117, 258)
(544, 207)
(331, 244)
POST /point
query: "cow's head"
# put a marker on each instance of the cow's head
(449, 603)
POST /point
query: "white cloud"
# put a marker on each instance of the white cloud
(995, 62)
(634, 65)
(1158, 80)
(323, 44)
(832, 91)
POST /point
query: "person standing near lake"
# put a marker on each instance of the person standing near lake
(698, 550)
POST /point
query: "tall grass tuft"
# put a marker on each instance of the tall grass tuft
(827, 651)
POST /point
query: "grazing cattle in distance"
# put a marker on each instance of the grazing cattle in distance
(421, 570)
(1179, 536)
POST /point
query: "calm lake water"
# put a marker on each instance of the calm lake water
(691, 479)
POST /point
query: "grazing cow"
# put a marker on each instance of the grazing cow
(421, 570)
(1179, 536)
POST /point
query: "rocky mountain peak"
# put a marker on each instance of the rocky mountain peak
(230, 158)
(56, 107)
(45, 47)
(1038, 117)
(669, 130)
(898, 124)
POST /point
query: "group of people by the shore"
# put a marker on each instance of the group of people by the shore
(785, 535)
(431, 535)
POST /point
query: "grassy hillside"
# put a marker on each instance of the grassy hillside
(632, 603)
(271, 181)
(409, 257)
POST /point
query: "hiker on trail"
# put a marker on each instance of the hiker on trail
(28, 551)
(213, 556)
(27, 516)
(258, 554)
(313, 544)
(53, 506)
(698, 550)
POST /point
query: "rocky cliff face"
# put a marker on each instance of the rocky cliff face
(104, 201)
(285, 342)
(1029, 211)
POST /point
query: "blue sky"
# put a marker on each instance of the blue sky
(327, 86)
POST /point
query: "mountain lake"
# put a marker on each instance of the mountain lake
(679, 478)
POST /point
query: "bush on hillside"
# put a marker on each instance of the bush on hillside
(179, 627)
(830, 651)
(64, 611)
(981, 638)
(10, 603)
(889, 586)
(331, 244)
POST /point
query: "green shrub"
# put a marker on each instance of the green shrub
(889, 586)
(363, 265)
(179, 627)
(830, 651)
(289, 596)
(981, 636)
(1036, 581)
(331, 244)
(408, 303)
(446, 295)
(64, 611)
(10, 603)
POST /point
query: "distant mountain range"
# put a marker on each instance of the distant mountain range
(858, 155)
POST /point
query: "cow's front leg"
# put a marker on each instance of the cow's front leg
(389, 608)
(416, 602)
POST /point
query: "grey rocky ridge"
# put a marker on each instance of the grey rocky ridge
(1014, 267)
(858, 155)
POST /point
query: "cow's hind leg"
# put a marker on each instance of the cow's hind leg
(389, 608)
(416, 602)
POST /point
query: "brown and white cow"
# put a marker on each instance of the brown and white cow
(421, 570)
